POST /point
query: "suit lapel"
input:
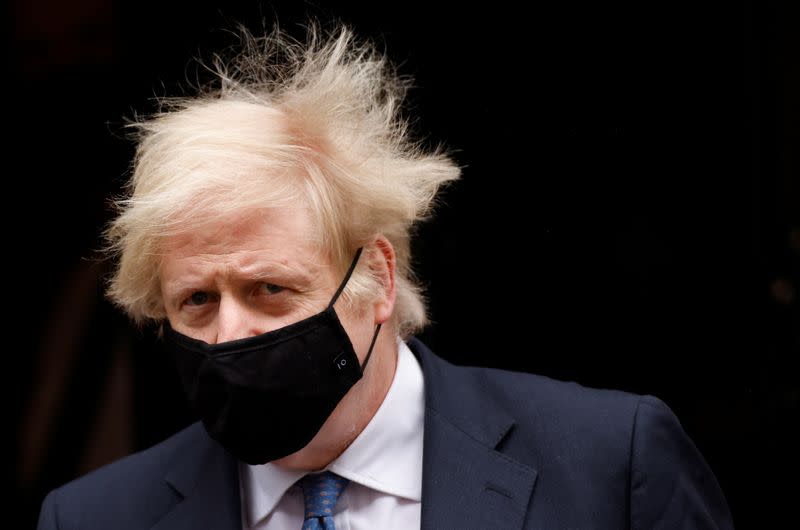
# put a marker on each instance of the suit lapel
(466, 482)
(207, 478)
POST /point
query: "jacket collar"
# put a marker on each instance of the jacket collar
(207, 479)
(466, 481)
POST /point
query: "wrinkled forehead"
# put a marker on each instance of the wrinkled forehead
(281, 232)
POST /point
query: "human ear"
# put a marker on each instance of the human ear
(382, 266)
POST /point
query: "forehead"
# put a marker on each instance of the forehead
(282, 234)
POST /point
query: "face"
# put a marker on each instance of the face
(260, 273)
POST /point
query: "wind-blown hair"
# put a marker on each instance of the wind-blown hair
(315, 124)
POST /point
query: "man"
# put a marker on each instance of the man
(268, 229)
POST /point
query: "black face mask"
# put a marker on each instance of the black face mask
(267, 396)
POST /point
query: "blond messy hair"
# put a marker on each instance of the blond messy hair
(315, 123)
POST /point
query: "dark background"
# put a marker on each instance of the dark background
(629, 214)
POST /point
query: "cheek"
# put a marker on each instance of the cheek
(204, 333)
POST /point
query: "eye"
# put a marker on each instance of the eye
(198, 298)
(271, 288)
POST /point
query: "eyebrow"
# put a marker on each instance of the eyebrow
(282, 272)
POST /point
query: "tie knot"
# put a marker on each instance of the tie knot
(321, 491)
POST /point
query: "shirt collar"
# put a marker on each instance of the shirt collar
(386, 456)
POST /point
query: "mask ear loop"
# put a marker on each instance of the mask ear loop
(346, 277)
(339, 292)
(371, 344)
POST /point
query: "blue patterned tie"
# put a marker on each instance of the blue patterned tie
(321, 491)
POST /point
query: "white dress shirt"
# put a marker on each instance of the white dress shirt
(383, 464)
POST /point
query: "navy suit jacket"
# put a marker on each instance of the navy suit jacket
(502, 450)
